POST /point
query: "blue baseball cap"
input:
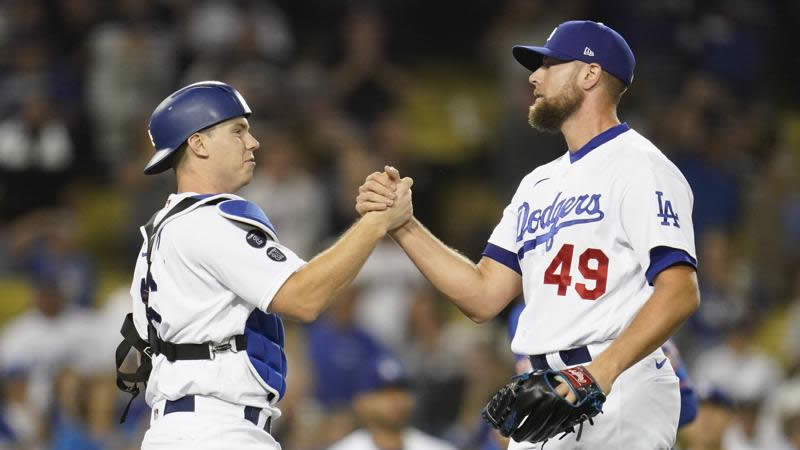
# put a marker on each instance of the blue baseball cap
(584, 40)
(382, 372)
(716, 396)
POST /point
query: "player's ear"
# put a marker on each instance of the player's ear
(590, 76)
(196, 144)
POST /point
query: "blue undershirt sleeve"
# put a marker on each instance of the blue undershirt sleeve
(503, 256)
(664, 257)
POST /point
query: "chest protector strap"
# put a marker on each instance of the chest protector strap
(130, 340)
(130, 336)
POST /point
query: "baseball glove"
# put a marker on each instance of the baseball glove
(530, 409)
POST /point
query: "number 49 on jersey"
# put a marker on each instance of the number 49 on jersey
(592, 265)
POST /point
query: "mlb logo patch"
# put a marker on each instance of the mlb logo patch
(275, 254)
(256, 238)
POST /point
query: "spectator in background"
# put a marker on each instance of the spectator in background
(390, 283)
(777, 424)
(724, 288)
(35, 143)
(84, 414)
(696, 122)
(34, 347)
(789, 415)
(46, 245)
(133, 60)
(715, 414)
(730, 34)
(757, 374)
(244, 43)
(227, 31)
(772, 236)
(337, 351)
(364, 83)
(7, 437)
(454, 366)
(26, 58)
(383, 404)
(342, 148)
(391, 139)
(435, 363)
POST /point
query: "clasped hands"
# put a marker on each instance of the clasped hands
(388, 194)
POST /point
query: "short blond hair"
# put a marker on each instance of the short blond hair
(613, 86)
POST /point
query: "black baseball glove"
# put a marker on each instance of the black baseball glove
(529, 408)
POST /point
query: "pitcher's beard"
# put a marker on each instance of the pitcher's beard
(549, 114)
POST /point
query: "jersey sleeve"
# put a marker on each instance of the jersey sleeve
(240, 257)
(502, 243)
(656, 214)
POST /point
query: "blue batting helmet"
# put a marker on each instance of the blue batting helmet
(187, 111)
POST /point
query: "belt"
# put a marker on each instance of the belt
(191, 403)
(571, 357)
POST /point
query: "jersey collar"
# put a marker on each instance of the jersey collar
(173, 199)
(598, 140)
(202, 196)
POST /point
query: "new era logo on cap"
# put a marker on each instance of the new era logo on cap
(583, 40)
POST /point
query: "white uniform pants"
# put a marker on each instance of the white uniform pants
(641, 413)
(213, 425)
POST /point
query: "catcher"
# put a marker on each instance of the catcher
(212, 282)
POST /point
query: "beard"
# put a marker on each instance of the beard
(548, 114)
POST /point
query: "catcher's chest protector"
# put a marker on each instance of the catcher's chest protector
(265, 352)
(263, 337)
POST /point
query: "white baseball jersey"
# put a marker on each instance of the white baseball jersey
(211, 273)
(589, 232)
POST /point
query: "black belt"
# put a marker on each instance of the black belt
(175, 352)
(186, 404)
(571, 357)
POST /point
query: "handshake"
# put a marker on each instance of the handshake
(387, 197)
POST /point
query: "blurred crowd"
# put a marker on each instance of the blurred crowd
(339, 88)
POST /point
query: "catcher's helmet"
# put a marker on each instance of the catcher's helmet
(187, 111)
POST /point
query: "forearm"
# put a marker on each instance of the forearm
(450, 272)
(658, 319)
(311, 289)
